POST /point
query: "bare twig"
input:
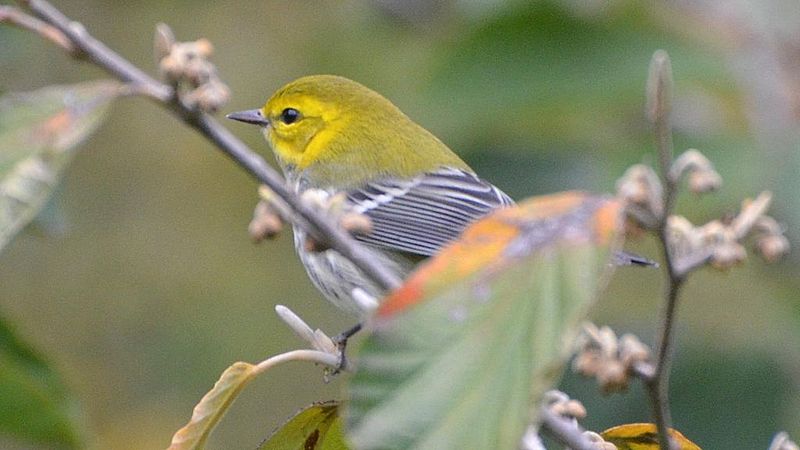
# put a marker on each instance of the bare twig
(318, 226)
(659, 98)
(14, 16)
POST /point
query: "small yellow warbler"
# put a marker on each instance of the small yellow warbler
(335, 135)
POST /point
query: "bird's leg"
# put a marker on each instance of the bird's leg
(341, 342)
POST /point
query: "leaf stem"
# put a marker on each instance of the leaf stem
(315, 356)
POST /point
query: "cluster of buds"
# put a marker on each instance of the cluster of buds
(770, 241)
(718, 242)
(561, 405)
(186, 67)
(641, 190)
(272, 212)
(643, 195)
(269, 215)
(608, 359)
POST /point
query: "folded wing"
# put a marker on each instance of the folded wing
(423, 214)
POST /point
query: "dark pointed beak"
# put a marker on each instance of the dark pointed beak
(253, 116)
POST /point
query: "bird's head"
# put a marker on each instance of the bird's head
(301, 119)
(344, 130)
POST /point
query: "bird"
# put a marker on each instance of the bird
(336, 136)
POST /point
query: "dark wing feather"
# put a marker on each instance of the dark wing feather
(423, 214)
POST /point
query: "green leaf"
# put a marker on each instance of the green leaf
(39, 132)
(34, 404)
(461, 353)
(317, 427)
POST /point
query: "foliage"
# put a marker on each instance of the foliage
(458, 354)
(39, 133)
(34, 402)
(580, 94)
(317, 427)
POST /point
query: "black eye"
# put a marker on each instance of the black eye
(289, 116)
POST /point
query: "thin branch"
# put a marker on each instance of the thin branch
(14, 16)
(658, 385)
(659, 96)
(318, 226)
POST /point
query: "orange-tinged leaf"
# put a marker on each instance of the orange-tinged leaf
(643, 436)
(487, 243)
(459, 354)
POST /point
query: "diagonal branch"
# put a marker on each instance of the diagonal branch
(317, 225)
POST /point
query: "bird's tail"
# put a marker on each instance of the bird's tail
(623, 258)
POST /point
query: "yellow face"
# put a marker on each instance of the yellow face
(340, 133)
(298, 124)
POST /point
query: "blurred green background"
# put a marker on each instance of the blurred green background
(140, 285)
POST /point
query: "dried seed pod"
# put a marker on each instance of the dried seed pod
(727, 255)
(598, 441)
(642, 192)
(569, 408)
(613, 376)
(208, 97)
(772, 247)
(356, 224)
(266, 223)
(163, 41)
(702, 175)
(632, 350)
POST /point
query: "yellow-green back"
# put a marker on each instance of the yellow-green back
(346, 134)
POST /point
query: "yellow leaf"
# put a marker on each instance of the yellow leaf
(212, 407)
(643, 436)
